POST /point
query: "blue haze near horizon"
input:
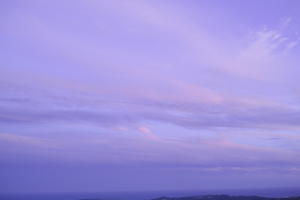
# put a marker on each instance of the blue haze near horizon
(147, 195)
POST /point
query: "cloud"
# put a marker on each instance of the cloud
(266, 57)
(189, 114)
(22, 142)
(207, 155)
(144, 130)
(21, 139)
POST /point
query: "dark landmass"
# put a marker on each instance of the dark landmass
(221, 197)
(227, 197)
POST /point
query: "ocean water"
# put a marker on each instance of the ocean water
(273, 192)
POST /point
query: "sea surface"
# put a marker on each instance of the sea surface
(273, 192)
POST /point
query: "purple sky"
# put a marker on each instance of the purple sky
(149, 95)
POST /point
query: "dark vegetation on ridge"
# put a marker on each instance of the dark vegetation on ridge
(221, 197)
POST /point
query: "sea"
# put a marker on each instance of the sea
(266, 192)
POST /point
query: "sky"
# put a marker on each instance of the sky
(107, 95)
